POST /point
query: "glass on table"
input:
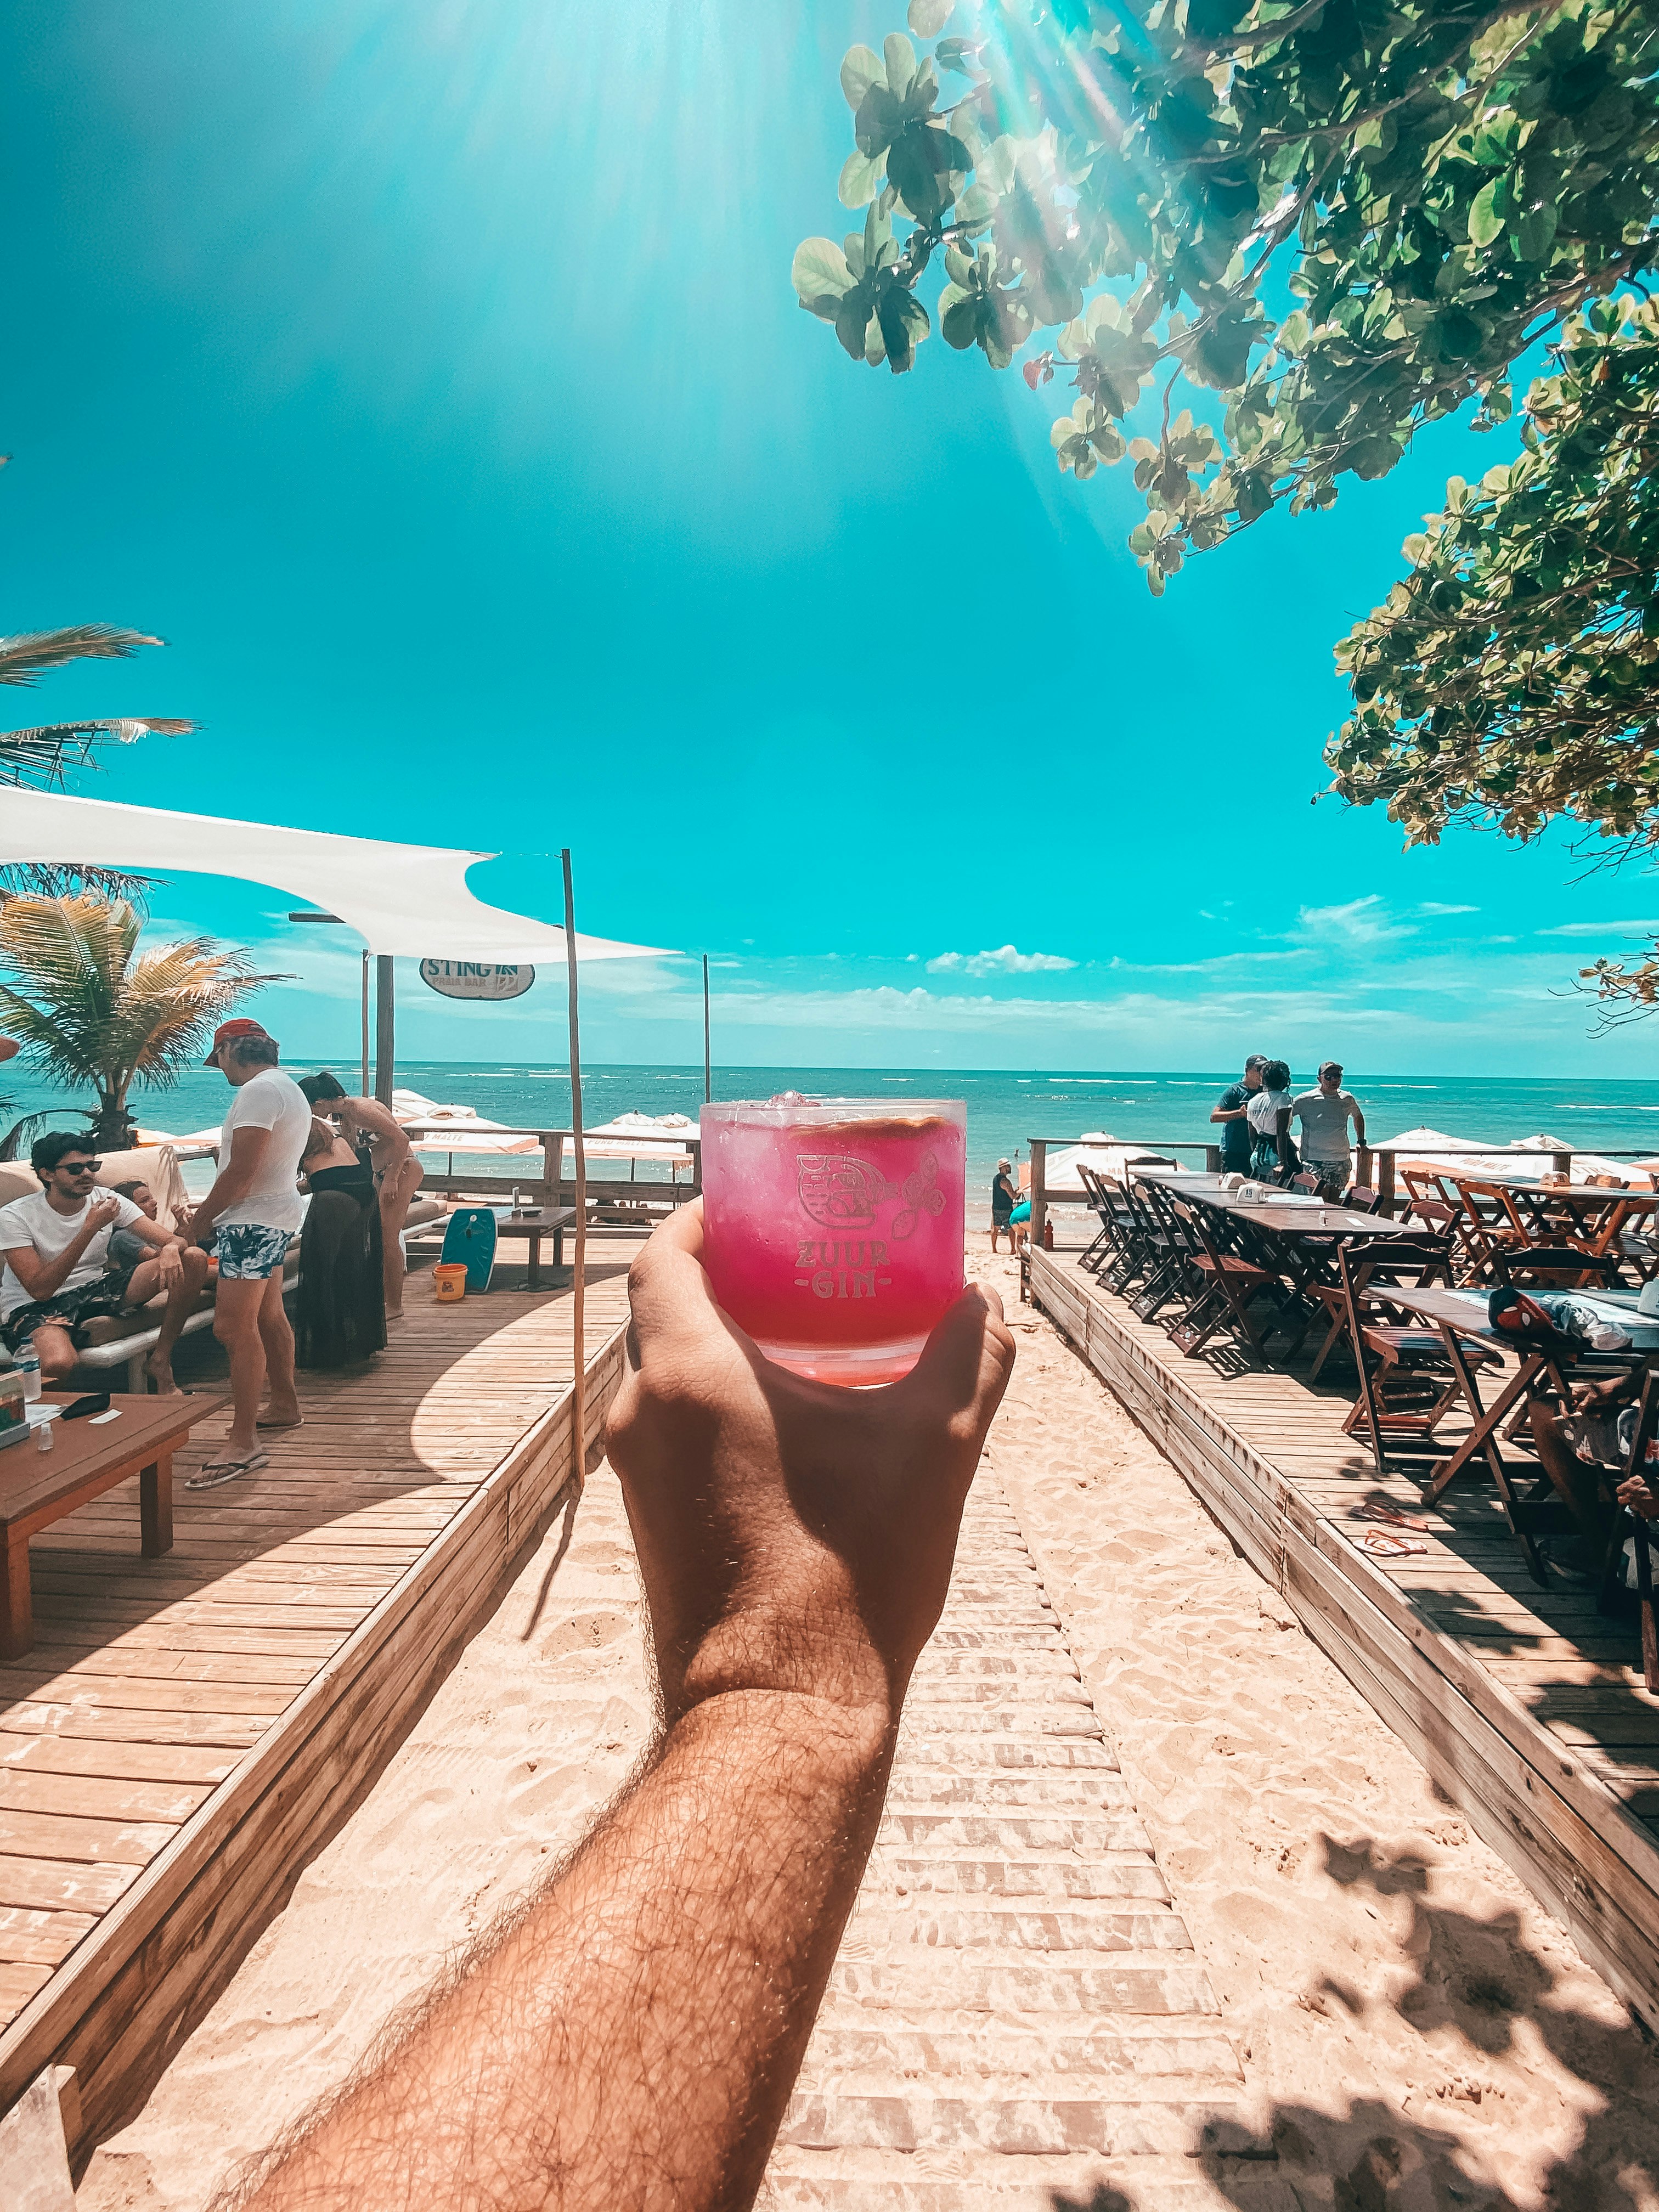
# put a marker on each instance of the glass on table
(833, 1227)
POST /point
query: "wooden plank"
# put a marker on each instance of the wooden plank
(137, 1974)
(40, 1939)
(1546, 1751)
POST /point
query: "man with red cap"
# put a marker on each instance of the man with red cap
(250, 1215)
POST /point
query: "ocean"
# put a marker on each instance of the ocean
(1004, 1109)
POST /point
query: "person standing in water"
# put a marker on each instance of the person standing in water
(397, 1173)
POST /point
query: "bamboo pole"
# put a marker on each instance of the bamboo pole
(363, 1091)
(578, 1289)
(385, 1022)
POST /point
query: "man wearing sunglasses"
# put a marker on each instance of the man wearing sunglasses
(56, 1278)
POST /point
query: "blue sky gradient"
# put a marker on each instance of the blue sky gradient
(427, 373)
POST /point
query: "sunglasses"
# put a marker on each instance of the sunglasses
(80, 1167)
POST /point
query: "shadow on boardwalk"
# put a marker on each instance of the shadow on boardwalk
(1478, 1979)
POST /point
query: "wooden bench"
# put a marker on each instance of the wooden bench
(87, 1458)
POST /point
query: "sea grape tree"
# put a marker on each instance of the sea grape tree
(1298, 231)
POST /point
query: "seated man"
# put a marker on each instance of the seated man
(1579, 1450)
(54, 1246)
(629, 2033)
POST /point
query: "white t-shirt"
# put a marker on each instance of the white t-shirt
(1324, 1125)
(273, 1101)
(34, 1221)
(1264, 1109)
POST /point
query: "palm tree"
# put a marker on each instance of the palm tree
(41, 754)
(90, 1008)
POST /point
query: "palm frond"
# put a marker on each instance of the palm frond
(69, 879)
(24, 657)
(89, 1008)
(41, 755)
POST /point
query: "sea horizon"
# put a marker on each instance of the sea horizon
(1006, 1107)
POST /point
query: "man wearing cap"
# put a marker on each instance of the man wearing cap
(1232, 1109)
(1325, 1114)
(250, 1215)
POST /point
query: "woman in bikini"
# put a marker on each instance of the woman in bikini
(397, 1173)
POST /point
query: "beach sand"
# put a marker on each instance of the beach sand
(1414, 2031)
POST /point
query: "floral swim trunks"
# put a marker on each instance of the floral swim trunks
(248, 1252)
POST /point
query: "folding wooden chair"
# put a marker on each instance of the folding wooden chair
(1407, 1384)
(1554, 1268)
(1493, 1225)
(1630, 1528)
(1106, 1231)
(1222, 1284)
(1304, 1179)
(1159, 1258)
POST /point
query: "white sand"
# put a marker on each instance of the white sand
(1416, 2031)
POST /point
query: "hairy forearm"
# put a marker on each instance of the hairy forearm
(45, 1278)
(630, 2034)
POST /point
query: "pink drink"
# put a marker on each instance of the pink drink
(833, 1228)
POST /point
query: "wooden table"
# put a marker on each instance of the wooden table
(535, 1223)
(87, 1457)
(1458, 1314)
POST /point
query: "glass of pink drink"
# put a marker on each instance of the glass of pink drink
(833, 1228)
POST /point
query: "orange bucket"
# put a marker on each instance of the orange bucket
(448, 1282)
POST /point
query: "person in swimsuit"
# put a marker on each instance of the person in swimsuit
(339, 1310)
(397, 1173)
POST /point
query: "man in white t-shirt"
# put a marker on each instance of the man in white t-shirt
(1325, 1114)
(250, 1215)
(57, 1275)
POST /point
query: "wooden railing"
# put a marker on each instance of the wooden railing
(1371, 1159)
(550, 1186)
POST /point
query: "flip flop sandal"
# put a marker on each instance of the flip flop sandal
(1379, 1544)
(298, 1424)
(225, 1470)
(1388, 1514)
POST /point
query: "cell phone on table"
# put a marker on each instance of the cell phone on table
(95, 1401)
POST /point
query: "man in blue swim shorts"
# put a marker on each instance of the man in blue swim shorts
(250, 1215)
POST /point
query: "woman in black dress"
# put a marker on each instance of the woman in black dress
(339, 1309)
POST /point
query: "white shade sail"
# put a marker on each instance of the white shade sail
(407, 899)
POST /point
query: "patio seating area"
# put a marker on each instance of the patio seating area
(1341, 1388)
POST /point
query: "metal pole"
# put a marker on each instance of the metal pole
(363, 1090)
(385, 1024)
(578, 1289)
(708, 1070)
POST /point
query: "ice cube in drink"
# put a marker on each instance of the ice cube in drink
(833, 1228)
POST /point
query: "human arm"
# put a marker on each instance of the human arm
(167, 1245)
(378, 1123)
(234, 1180)
(1639, 1495)
(42, 1277)
(1358, 1120)
(1224, 1112)
(630, 2036)
(1282, 1138)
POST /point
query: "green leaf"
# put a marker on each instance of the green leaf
(1535, 233)
(899, 57)
(860, 70)
(1486, 221)
(819, 272)
(928, 18)
(860, 179)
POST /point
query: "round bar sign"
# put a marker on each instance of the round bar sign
(476, 979)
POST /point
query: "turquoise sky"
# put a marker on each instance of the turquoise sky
(427, 373)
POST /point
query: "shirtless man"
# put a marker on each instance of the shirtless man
(397, 1173)
(55, 1245)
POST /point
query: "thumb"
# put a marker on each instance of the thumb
(964, 1365)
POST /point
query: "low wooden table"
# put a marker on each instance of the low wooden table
(87, 1458)
(535, 1223)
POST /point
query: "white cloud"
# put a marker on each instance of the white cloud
(1598, 928)
(1434, 908)
(1361, 921)
(1004, 960)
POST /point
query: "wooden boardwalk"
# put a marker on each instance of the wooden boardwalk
(1524, 1705)
(189, 1730)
